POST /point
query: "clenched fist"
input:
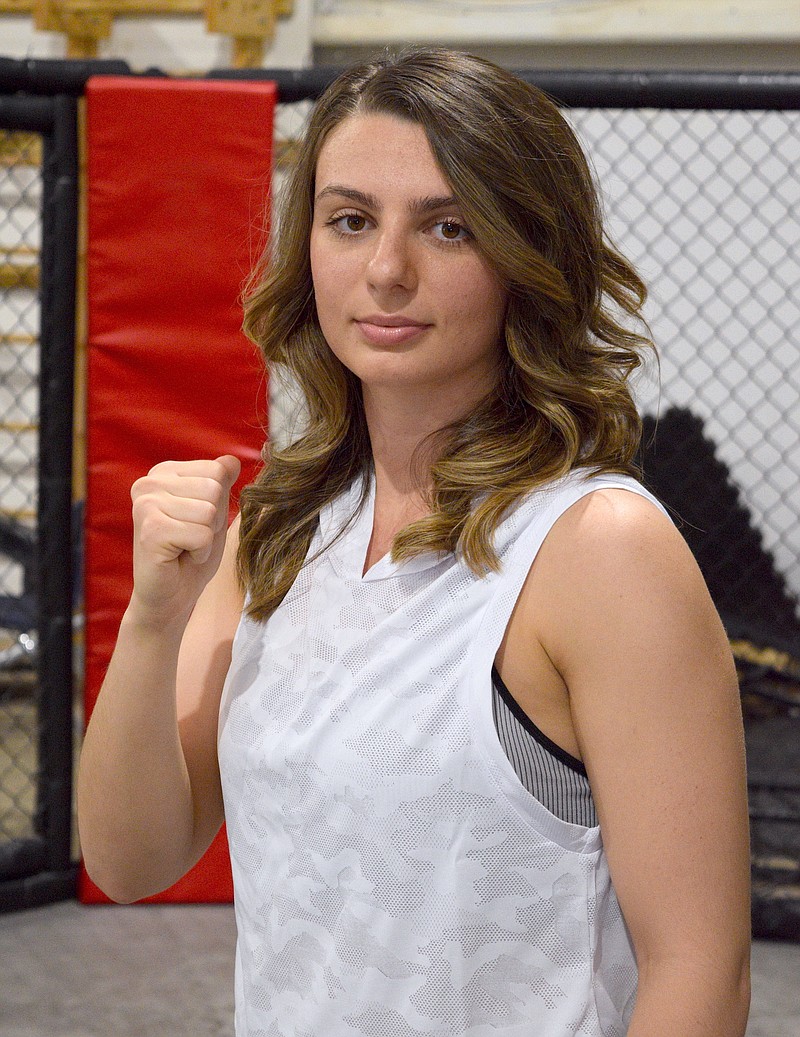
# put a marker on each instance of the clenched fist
(180, 518)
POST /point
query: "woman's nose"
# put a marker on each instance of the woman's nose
(391, 263)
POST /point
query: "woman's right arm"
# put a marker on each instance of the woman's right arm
(149, 797)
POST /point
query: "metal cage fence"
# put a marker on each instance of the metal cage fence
(707, 205)
(20, 246)
(38, 222)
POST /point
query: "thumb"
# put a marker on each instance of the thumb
(232, 466)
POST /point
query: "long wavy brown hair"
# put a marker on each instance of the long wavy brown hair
(563, 400)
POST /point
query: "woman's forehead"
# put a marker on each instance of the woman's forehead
(379, 149)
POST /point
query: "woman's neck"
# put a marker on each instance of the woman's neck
(404, 447)
(404, 431)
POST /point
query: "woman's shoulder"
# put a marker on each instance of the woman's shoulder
(611, 519)
(616, 542)
(599, 537)
(589, 503)
(583, 484)
(598, 506)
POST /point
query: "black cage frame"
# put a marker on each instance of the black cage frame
(39, 868)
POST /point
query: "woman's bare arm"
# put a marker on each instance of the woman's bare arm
(149, 800)
(654, 698)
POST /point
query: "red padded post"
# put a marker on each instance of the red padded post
(178, 181)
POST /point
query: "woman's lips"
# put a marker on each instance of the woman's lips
(389, 331)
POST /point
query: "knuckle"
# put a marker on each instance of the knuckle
(148, 485)
(206, 536)
(217, 472)
(152, 527)
(140, 487)
(208, 512)
(217, 495)
(143, 501)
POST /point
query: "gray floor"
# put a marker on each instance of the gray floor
(153, 971)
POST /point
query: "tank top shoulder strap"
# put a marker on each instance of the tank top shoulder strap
(525, 529)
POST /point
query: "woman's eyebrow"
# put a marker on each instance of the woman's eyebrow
(369, 201)
(421, 206)
(417, 207)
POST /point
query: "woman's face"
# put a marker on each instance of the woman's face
(404, 298)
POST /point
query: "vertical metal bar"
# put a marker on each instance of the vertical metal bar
(58, 263)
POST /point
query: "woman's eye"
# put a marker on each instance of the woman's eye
(349, 223)
(452, 230)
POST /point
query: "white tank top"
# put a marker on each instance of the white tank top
(392, 876)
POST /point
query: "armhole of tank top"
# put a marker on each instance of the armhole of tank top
(594, 484)
(576, 838)
(533, 730)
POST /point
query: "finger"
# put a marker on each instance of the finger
(194, 510)
(200, 555)
(232, 466)
(205, 504)
(171, 485)
(172, 481)
(164, 538)
(202, 480)
(224, 470)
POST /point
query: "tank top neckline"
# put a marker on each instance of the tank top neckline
(349, 553)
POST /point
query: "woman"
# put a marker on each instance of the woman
(478, 726)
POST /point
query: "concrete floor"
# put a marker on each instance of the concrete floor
(166, 971)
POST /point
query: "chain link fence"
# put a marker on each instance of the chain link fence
(706, 204)
(20, 245)
(38, 219)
